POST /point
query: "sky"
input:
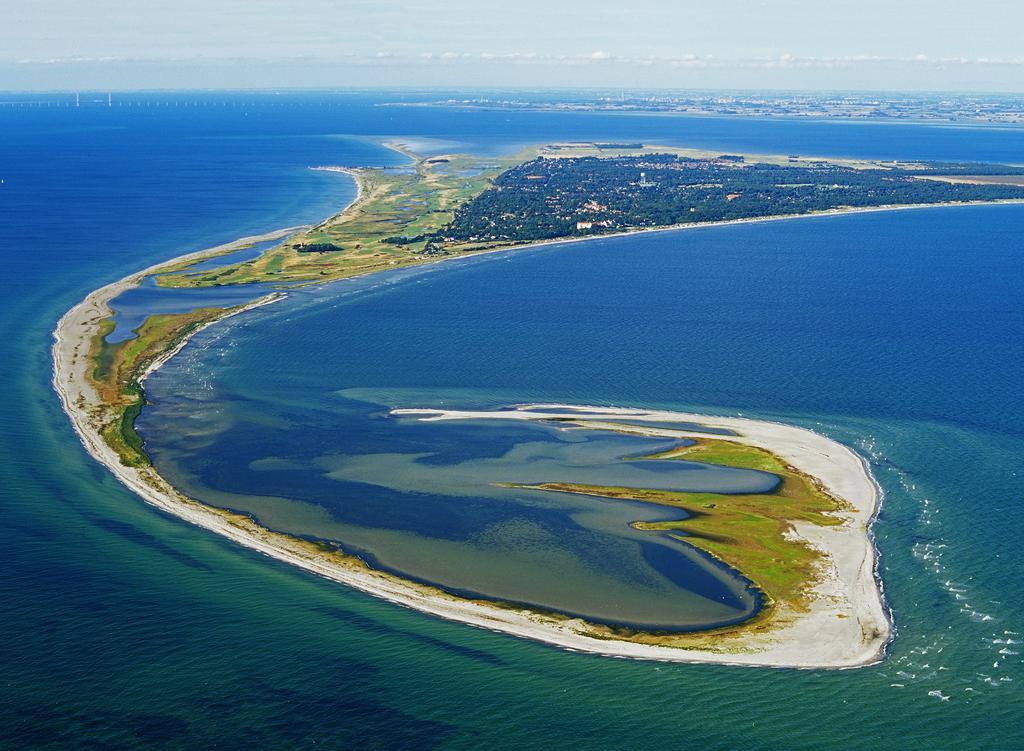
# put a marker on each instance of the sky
(936, 45)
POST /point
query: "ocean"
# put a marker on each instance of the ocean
(900, 334)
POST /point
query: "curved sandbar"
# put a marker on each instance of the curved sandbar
(847, 623)
(846, 627)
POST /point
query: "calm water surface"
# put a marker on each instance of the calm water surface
(901, 334)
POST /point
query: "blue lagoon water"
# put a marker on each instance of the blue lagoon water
(901, 334)
(429, 500)
(133, 306)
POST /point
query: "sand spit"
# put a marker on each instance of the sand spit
(848, 625)
(823, 638)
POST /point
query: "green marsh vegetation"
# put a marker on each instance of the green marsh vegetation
(391, 225)
(751, 533)
(118, 368)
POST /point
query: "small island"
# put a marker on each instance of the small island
(805, 547)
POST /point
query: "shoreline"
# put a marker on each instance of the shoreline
(357, 174)
(729, 222)
(76, 328)
(849, 600)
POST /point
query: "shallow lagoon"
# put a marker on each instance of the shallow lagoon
(421, 499)
(261, 417)
(133, 306)
(236, 256)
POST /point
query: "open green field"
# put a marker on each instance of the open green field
(604, 151)
(1017, 180)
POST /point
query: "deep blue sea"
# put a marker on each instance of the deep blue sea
(901, 334)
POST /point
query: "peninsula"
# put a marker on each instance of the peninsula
(805, 547)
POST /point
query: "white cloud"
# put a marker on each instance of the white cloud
(686, 60)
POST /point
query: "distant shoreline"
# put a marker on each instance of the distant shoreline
(712, 115)
(77, 327)
(356, 174)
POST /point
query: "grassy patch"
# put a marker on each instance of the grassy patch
(101, 351)
(748, 532)
(118, 366)
(406, 203)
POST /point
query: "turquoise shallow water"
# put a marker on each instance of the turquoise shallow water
(899, 334)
